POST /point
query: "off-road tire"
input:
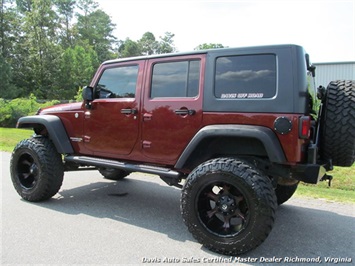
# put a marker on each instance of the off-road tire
(36, 169)
(338, 123)
(113, 174)
(284, 193)
(248, 194)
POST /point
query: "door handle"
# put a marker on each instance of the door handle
(185, 112)
(129, 111)
(147, 117)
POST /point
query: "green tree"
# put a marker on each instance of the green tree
(206, 46)
(24, 6)
(77, 67)
(51, 47)
(7, 89)
(95, 27)
(87, 6)
(166, 44)
(43, 53)
(129, 48)
(7, 19)
(148, 44)
(66, 13)
(11, 42)
(8, 36)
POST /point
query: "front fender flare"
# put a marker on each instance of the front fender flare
(55, 128)
(265, 135)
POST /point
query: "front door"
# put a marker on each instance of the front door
(112, 123)
(172, 112)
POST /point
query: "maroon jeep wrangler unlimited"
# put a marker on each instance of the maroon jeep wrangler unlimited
(237, 129)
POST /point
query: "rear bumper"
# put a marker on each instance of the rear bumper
(308, 173)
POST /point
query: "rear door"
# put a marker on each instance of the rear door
(172, 112)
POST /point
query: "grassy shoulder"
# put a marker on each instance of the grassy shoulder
(328, 193)
(9, 137)
(342, 188)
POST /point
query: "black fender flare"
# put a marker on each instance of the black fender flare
(265, 135)
(55, 128)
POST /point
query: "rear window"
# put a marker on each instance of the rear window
(245, 77)
(176, 79)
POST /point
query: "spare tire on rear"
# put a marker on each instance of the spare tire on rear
(337, 135)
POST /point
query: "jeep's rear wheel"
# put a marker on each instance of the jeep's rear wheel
(338, 123)
(113, 174)
(36, 169)
(228, 206)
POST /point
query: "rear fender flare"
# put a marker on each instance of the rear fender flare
(265, 135)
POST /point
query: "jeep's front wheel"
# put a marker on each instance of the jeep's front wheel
(228, 206)
(338, 123)
(36, 169)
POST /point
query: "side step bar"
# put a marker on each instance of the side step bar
(130, 167)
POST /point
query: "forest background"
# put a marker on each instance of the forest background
(50, 49)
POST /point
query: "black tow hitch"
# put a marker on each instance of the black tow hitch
(329, 167)
(327, 177)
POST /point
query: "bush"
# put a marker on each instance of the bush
(12, 110)
(79, 95)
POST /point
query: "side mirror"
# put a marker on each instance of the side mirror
(88, 93)
(88, 96)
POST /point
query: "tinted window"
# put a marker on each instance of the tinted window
(176, 79)
(119, 82)
(245, 77)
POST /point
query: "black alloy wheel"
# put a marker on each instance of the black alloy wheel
(222, 209)
(36, 169)
(27, 171)
(228, 205)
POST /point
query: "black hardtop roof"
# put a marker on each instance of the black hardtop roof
(217, 50)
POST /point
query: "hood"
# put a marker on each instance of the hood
(59, 108)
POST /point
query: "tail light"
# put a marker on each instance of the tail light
(305, 127)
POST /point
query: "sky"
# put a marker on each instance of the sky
(325, 28)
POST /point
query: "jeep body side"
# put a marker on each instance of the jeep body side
(239, 126)
(159, 130)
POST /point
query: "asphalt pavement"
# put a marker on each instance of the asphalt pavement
(137, 221)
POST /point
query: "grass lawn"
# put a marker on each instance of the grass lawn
(328, 193)
(342, 186)
(342, 189)
(9, 137)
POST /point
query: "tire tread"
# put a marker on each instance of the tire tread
(338, 123)
(51, 172)
(264, 195)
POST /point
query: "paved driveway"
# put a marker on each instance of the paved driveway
(97, 221)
